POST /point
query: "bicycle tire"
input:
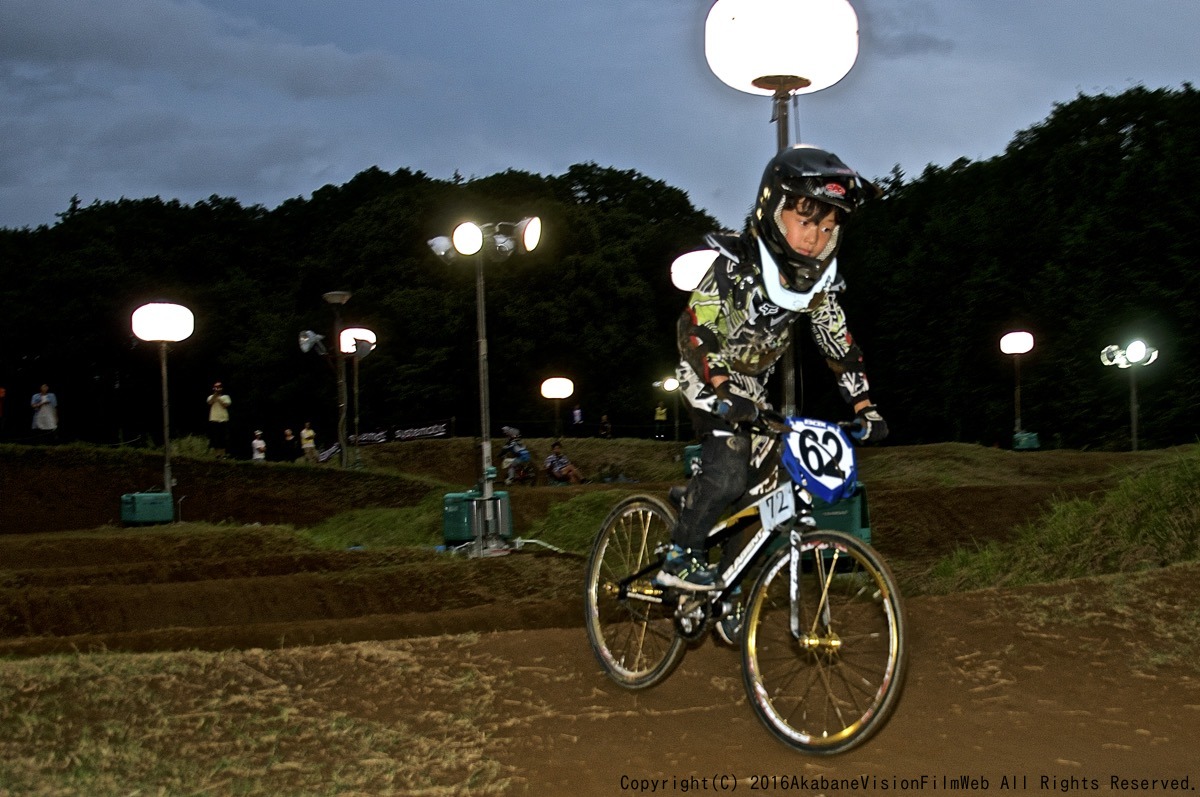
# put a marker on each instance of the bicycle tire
(634, 640)
(836, 684)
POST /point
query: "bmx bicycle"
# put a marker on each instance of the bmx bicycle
(823, 631)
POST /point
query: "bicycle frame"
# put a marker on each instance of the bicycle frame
(774, 494)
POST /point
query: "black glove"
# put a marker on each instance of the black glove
(734, 408)
(869, 426)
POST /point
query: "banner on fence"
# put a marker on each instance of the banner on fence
(435, 429)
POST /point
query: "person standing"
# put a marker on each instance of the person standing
(45, 412)
(290, 448)
(258, 447)
(308, 442)
(218, 420)
(660, 421)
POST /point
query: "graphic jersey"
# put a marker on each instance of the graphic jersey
(731, 328)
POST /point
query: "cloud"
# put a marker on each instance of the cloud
(901, 29)
(185, 41)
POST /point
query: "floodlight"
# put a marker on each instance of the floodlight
(443, 247)
(1016, 343)
(557, 387)
(529, 232)
(160, 322)
(164, 323)
(351, 337)
(1136, 351)
(751, 44)
(310, 340)
(467, 238)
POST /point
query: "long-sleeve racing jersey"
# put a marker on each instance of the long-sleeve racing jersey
(731, 328)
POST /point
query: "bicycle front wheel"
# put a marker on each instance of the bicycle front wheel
(823, 653)
(630, 628)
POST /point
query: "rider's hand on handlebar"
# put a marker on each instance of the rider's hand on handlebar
(732, 407)
(736, 409)
(869, 426)
(773, 421)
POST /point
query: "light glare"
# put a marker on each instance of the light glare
(1016, 343)
(349, 337)
(557, 387)
(748, 40)
(161, 322)
(468, 238)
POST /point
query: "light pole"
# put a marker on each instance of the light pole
(1016, 344)
(358, 343)
(336, 299)
(1137, 353)
(557, 388)
(164, 323)
(495, 243)
(752, 46)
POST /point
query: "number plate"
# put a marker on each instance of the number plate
(778, 507)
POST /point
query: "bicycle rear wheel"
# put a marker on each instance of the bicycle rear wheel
(630, 628)
(824, 670)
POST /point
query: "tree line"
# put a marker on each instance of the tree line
(1082, 232)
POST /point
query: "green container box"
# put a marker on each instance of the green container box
(1026, 441)
(849, 514)
(140, 509)
(461, 512)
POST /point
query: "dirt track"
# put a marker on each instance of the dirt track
(1058, 682)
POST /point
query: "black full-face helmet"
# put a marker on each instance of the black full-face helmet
(793, 175)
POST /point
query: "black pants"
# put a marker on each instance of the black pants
(724, 471)
(218, 435)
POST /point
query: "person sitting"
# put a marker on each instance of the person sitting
(559, 468)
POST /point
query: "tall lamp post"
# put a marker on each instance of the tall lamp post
(1016, 344)
(1137, 353)
(336, 299)
(357, 342)
(486, 243)
(557, 388)
(164, 323)
(751, 45)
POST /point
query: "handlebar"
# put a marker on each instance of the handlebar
(772, 422)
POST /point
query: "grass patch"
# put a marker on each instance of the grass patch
(317, 721)
(1149, 520)
(414, 526)
(572, 525)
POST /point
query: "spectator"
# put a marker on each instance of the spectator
(559, 468)
(660, 421)
(605, 428)
(577, 421)
(218, 420)
(308, 442)
(289, 450)
(45, 412)
(258, 447)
